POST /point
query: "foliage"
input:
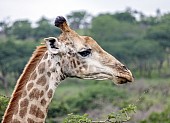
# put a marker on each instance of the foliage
(122, 115)
(77, 119)
(3, 104)
(92, 97)
(162, 117)
(125, 16)
(160, 33)
(107, 28)
(85, 101)
(78, 19)
(14, 55)
(21, 29)
(123, 35)
(44, 29)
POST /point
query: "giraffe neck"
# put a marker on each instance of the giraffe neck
(38, 92)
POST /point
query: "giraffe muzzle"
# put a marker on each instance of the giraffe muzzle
(127, 77)
(123, 80)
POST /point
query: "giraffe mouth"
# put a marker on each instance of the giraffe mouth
(107, 76)
(97, 76)
(124, 79)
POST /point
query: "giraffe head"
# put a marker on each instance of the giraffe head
(82, 57)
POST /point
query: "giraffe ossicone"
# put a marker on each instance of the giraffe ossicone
(69, 55)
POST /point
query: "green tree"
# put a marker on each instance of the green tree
(44, 29)
(147, 55)
(78, 19)
(5, 26)
(21, 29)
(103, 26)
(106, 27)
(3, 104)
(13, 57)
(165, 18)
(160, 33)
(125, 16)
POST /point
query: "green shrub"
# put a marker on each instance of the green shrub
(77, 119)
(58, 109)
(93, 96)
(163, 117)
(120, 116)
(90, 98)
(3, 105)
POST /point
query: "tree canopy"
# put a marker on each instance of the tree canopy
(143, 43)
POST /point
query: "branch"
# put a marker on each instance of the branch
(100, 121)
(121, 116)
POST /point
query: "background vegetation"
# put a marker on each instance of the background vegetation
(139, 41)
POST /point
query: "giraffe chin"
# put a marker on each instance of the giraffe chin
(123, 80)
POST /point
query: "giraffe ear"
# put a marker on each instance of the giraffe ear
(52, 44)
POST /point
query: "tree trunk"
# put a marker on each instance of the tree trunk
(5, 84)
(168, 60)
(160, 67)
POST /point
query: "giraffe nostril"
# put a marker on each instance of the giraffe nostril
(124, 67)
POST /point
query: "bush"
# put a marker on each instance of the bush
(3, 104)
(163, 117)
(91, 98)
(122, 115)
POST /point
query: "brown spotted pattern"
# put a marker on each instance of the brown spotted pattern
(41, 81)
(49, 63)
(29, 86)
(31, 92)
(24, 103)
(50, 93)
(34, 75)
(16, 109)
(45, 56)
(48, 74)
(23, 107)
(24, 93)
(46, 88)
(43, 102)
(35, 94)
(36, 111)
(41, 68)
(16, 121)
(29, 120)
(23, 112)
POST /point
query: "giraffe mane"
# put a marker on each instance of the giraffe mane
(31, 65)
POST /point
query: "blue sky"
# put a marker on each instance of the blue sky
(34, 9)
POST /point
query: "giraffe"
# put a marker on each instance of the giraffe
(69, 55)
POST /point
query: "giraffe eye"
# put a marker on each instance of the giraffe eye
(85, 52)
